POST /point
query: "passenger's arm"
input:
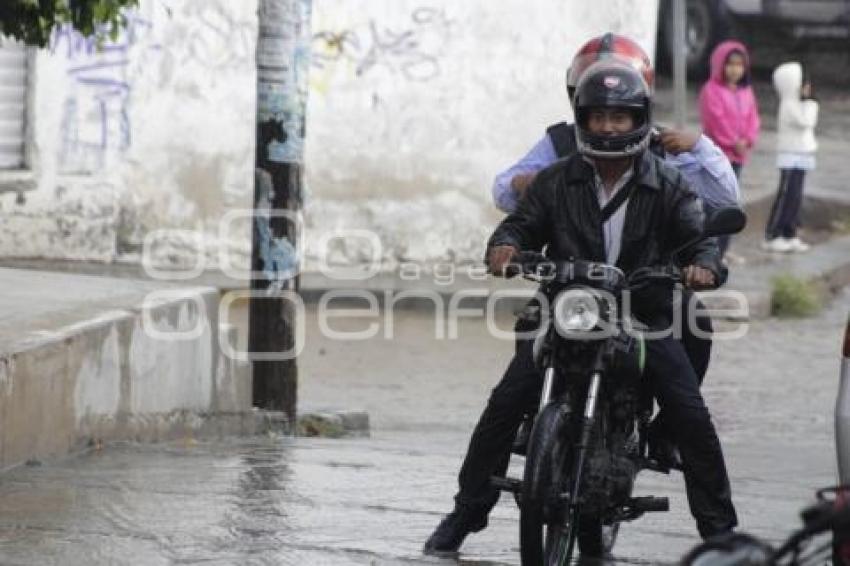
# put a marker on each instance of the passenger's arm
(709, 173)
(509, 185)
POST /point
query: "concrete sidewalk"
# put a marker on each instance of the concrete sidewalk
(827, 265)
(85, 359)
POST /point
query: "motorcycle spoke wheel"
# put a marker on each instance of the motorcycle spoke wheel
(560, 543)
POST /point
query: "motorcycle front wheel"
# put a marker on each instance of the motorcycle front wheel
(548, 529)
(596, 539)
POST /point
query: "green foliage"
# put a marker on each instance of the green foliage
(33, 21)
(793, 297)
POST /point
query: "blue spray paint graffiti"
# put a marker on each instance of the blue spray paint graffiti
(96, 116)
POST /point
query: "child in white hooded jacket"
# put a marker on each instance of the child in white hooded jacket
(795, 155)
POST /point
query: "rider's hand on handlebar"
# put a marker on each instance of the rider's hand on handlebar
(697, 277)
(499, 258)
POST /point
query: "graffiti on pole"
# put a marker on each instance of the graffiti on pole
(283, 58)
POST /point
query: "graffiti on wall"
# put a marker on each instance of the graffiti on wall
(219, 39)
(177, 44)
(412, 51)
(96, 117)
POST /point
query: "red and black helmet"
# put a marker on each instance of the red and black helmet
(610, 46)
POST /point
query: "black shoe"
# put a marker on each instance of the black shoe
(449, 534)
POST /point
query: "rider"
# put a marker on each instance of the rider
(562, 210)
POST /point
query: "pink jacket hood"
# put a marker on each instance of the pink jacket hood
(721, 53)
(729, 115)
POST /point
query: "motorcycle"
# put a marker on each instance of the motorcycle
(589, 437)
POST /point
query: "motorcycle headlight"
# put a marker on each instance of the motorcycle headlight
(576, 310)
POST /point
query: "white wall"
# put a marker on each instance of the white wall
(154, 131)
(414, 106)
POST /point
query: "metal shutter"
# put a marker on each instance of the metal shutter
(13, 92)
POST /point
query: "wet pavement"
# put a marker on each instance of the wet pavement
(275, 500)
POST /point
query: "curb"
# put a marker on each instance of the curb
(333, 423)
(93, 369)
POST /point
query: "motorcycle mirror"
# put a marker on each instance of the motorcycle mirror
(729, 220)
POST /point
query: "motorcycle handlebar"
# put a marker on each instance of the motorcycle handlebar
(536, 266)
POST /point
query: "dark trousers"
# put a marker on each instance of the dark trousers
(785, 213)
(676, 387)
(697, 348)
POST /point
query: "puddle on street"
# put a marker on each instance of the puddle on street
(272, 500)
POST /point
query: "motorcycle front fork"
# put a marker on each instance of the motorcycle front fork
(587, 424)
(548, 387)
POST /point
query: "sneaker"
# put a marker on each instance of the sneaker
(798, 245)
(452, 530)
(780, 245)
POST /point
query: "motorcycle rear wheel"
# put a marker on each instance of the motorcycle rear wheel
(548, 531)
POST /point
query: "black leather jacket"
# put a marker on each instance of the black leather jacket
(561, 211)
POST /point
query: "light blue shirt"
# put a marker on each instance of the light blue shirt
(706, 169)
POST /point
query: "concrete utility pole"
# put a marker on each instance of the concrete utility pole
(282, 65)
(680, 70)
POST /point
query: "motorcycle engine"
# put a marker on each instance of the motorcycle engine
(607, 482)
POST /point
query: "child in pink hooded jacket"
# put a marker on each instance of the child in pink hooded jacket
(727, 105)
